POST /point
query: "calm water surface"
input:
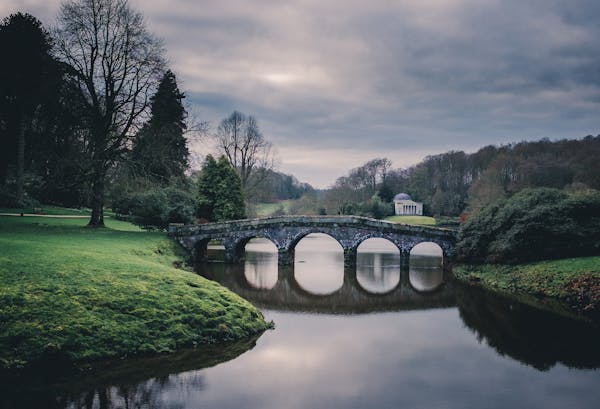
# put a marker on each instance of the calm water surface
(354, 338)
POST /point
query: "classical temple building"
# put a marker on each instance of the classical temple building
(404, 206)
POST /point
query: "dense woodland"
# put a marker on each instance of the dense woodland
(452, 183)
(80, 128)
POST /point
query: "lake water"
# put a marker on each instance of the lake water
(369, 337)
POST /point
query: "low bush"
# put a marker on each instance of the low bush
(374, 207)
(534, 224)
(157, 208)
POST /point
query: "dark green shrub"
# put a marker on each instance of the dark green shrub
(377, 209)
(150, 208)
(220, 192)
(374, 207)
(157, 207)
(181, 206)
(534, 224)
(446, 221)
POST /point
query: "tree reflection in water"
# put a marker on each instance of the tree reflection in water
(530, 335)
(134, 383)
(523, 333)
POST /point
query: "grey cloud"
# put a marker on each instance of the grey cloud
(386, 78)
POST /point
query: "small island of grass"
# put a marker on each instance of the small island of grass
(83, 295)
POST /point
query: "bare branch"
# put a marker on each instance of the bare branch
(240, 140)
(117, 64)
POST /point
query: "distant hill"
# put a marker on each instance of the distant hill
(277, 186)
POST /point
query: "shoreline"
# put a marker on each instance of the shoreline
(77, 296)
(564, 286)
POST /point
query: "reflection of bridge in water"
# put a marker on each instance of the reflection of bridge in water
(286, 231)
(288, 294)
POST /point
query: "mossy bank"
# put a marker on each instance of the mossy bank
(573, 283)
(82, 295)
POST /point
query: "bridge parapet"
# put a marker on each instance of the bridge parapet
(286, 231)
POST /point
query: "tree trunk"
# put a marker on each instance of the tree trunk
(97, 219)
(21, 161)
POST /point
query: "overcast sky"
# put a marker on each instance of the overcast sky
(336, 83)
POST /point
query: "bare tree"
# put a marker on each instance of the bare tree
(240, 140)
(376, 171)
(116, 63)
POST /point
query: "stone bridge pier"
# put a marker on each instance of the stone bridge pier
(286, 231)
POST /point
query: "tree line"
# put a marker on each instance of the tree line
(455, 182)
(90, 115)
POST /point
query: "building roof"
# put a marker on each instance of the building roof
(402, 196)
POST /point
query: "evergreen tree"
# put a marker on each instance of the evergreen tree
(207, 188)
(386, 193)
(160, 149)
(25, 72)
(220, 194)
(229, 203)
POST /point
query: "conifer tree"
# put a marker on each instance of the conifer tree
(160, 148)
(229, 203)
(220, 194)
(25, 71)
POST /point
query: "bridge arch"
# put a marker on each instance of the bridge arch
(303, 234)
(318, 269)
(363, 237)
(378, 266)
(426, 281)
(382, 242)
(286, 232)
(260, 263)
(236, 249)
(200, 250)
(426, 267)
(428, 248)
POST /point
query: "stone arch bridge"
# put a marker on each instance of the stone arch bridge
(286, 231)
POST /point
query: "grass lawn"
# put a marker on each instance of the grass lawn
(46, 209)
(267, 209)
(575, 281)
(82, 294)
(418, 220)
(53, 210)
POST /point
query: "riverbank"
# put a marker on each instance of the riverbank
(77, 295)
(572, 283)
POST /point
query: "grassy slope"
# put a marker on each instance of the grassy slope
(87, 294)
(267, 209)
(419, 220)
(574, 281)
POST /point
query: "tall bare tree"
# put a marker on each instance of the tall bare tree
(376, 171)
(240, 140)
(116, 63)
